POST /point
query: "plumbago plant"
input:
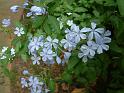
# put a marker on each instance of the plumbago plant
(63, 42)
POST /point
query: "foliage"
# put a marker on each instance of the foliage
(103, 73)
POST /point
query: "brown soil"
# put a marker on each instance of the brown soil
(5, 12)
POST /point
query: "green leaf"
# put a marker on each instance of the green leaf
(52, 26)
(114, 47)
(6, 71)
(17, 44)
(47, 28)
(17, 24)
(91, 74)
(24, 57)
(121, 6)
(51, 85)
(122, 65)
(70, 1)
(80, 9)
(120, 91)
(106, 2)
(67, 77)
(42, 3)
(96, 13)
(37, 21)
(81, 68)
(73, 61)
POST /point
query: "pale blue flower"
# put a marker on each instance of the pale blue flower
(2, 53)
(29, 14)
(84, 57)
(35, 44)
(47, 90)
(70, 22)
(35, 10)
(24, 82)
(60, 23)
(6, 22)
(35, 59)
(76, 32)
(94, 32)
(87, 51)
(4, 49)
(12, 51)
(35, 90)
(67, 55)
(33, 82)
(25, 72)
(51, 42)
(25, 4)
(3, 57)
(69, 42)
(47, 54)
(102, 41)
(69, 14)
(19, 31)
(106, 33)
(101, 44)
(58, 59)
(14, 8)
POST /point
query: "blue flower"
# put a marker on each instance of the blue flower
(76, 32)
(35, 59)
(70, 22)
(33, 82)
(35, 44)
(4, 49)
(12, 51)
(60, 22)
(14, 8)
(3, 57)
(94, 32)
(58, 59)
(69, 43)
(35, 10)
(29, 14)
(25, 4)
(6, 22)
(66, 56)
(19, 31)
(25, 72)
(102, 41)
(2, 53)
(87, 51)
(51, 42)
(24, 82)
(47, 54)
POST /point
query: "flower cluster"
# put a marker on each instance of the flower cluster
(35, 10)
(34, 85)
(48, 48)
(97, 38)
(73, 37)
(5, 52)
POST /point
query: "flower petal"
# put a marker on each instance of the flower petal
(93, 25)
(90, 37)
